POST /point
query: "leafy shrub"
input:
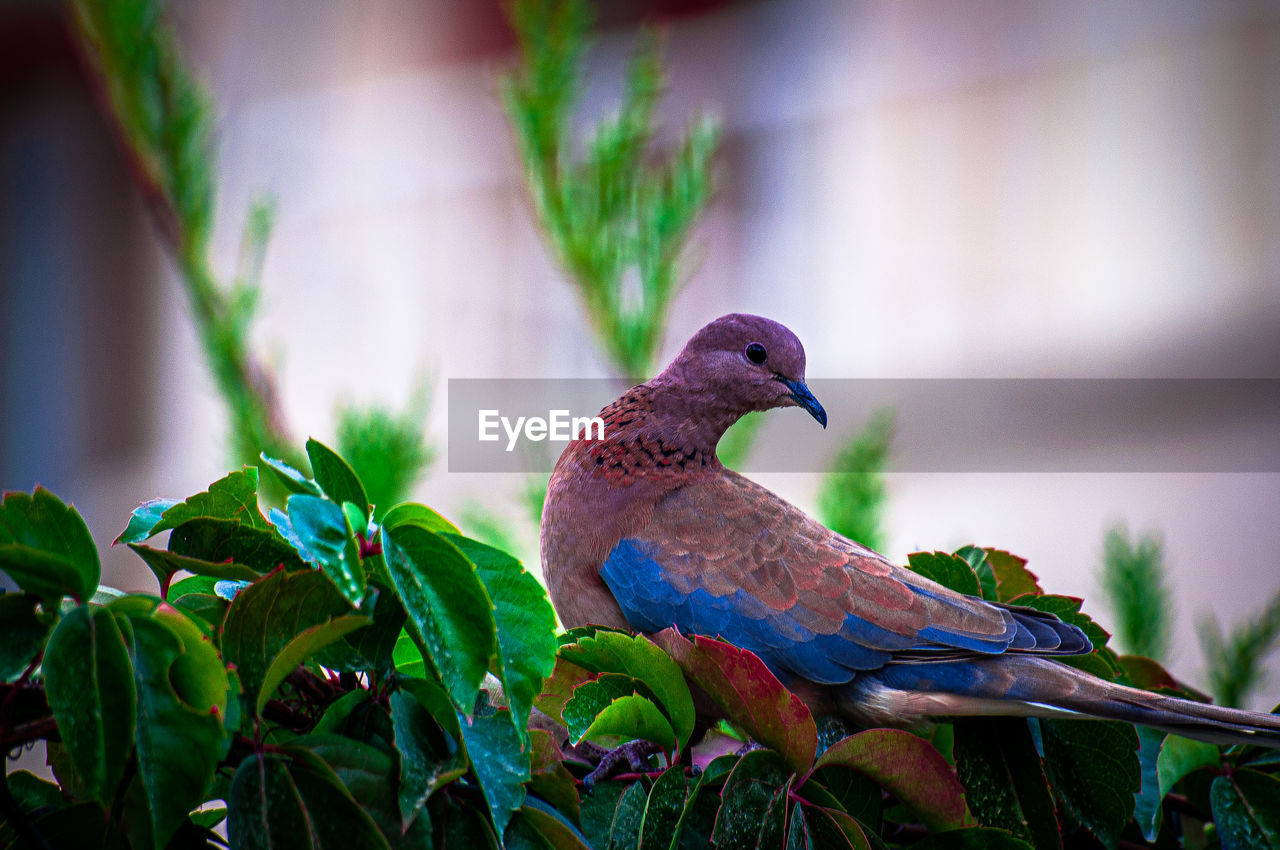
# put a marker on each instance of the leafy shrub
(312, 678)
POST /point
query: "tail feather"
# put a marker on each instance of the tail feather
(1033, 686)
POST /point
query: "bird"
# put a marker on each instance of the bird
(643, 529)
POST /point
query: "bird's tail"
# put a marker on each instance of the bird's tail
(1034, 686)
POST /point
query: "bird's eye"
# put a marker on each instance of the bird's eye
(756, 354)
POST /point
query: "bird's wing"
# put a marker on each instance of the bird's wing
(724, 556)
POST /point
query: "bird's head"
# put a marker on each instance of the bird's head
(744, 363)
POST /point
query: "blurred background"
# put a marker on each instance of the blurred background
(969, 189)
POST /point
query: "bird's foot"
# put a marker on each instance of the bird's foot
(633, 755)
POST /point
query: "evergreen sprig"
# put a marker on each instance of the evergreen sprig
(163, 118)
(1135, 585)
(616, 219)
(852, 495)
(1234, 663)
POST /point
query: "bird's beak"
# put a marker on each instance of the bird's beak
(801, 396)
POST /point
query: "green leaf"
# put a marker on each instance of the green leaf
(372, 647)
(628, 818)
(222, 540)
(144, 518)
(165, 565)
(370, 776)
(773, 829)
(219, 548)
(23, 634)
(1013, 579)
(46, 548)
(447, 605)
(336, 477)
(640, 658)
(798, 837)
(500, 765)
(1094, 765)
(412, 513)
(295, 801)
(182, 697)
(276, 622)
(1146, 807)
(234, 497)
(89, 683)
(667, 797)
(1004, 781)
(629, 717)
(594, 696)
(525, 623)
(748, 693)
(1246, 810)
(909, 768)
(430, 757)
(31, 792)
(290, 478)
(976, 838)
(748, 792)
(552, 825)
(1180, 757)
(834, 828)
(950, 571)
(324, 531)
(851, 791)
(977, 560)
(598, 811)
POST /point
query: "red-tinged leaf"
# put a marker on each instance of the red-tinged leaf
(558, 688)
(749, 694)
(832, 828)
(1147, 674)
(1013, 579)
(549, 778)
(909, 768)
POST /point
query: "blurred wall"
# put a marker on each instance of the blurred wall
(997, 189)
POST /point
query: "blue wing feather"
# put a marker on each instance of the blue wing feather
(635, 574)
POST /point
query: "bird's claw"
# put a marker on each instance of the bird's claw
(633, 755)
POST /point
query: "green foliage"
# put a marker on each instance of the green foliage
(615, 219)
(404, 716)
(851, 501)
(165, 122)
(1234, 663)
(1135, 588)
(387, 450)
